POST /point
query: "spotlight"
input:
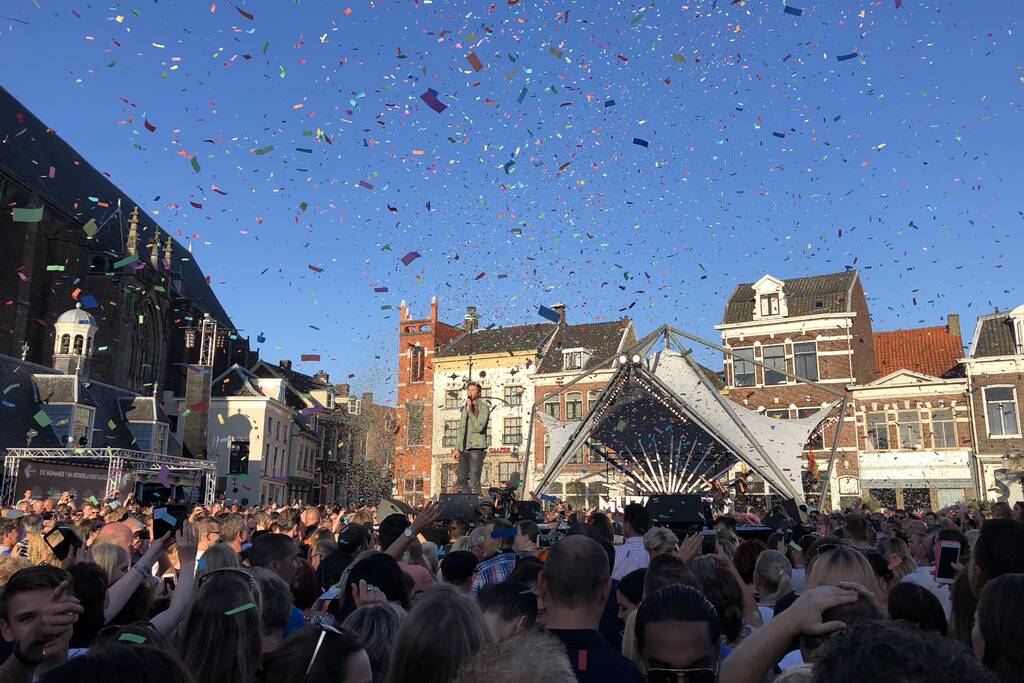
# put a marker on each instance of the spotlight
(623, 359)
(636, 358)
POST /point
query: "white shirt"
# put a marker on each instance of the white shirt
(925, 578)
(630, 556)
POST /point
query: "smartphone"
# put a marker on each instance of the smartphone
(142, 535)
(61, 540)
(163, 517)
(708, 543)
(948, 554)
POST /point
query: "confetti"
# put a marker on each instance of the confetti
(410, 257)
(430, 97)
(28, 215)
(240, 609)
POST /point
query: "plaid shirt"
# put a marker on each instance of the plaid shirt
(493, 570)
(630, 556)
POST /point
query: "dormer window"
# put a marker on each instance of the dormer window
(769, 298)
(330, 400)
(574, 359)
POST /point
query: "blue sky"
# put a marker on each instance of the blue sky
(764, 153)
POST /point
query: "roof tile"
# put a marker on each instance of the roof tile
(928, 350)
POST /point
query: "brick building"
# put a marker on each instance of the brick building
(995, 375)
(418, 342)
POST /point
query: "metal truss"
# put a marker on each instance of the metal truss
(116, 460)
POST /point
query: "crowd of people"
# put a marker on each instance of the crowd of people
(306, 594)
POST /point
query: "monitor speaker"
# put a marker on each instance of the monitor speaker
(684, 513)
(459, 505)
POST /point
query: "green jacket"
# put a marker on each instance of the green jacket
(473, 428)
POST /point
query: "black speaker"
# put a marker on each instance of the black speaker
(683, 513)
(459, 505)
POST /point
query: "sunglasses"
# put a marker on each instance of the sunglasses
(324, 628)
(228, 570)
(682, 675)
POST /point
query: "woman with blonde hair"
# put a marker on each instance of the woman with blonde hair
(772, 579)
(217, 556)
(221, 636)
(842, 563)
(112, 559)
(895, 549)
(440, 633)
(660, 541)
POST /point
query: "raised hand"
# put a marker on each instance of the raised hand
(55, 622)
(426, 517)
(366, 594)
(187, 540)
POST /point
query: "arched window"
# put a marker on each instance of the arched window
(65, 343)
(79, 341)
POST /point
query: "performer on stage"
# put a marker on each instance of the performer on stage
(472, 440)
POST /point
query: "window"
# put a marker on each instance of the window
(1001, 410)
(778, 413)
(414, 484)
(805, 357)
(514, 396)
(353, 406)
(419, 364)
(65, 343)
(451, 399)
(743, 368)
(909, 424)
(547, 446)
(60, 419)
(451, 434)
(574, 406)
(944, 429)
(878, 431)
(572, 360)
(513, 433)
(577, 457)
(143, 435)
(769, 304)
(79, 344)
(330, 401)
(552, 407)
(775, 359)
(238, 457)
(592, 397)
(506, 470)
(415, 431)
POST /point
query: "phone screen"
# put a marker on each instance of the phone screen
(61, 540)
(708, 543)
(948, 554)
(170, 518)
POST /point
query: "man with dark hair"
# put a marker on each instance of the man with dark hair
(457, 569)
(574, 587)
(496, 567)
(856, 530)
(882, 651)
(666, 570)
(390, 530)
(38, 615)
(631, 554)
(999, 550)
(279, 554)
(527, 533)
(677, 632)
(508, 608)
(10, 534)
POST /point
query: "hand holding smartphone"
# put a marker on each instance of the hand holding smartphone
(61, 539)
(947, 554)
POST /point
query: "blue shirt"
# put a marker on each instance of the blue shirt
(295, 622)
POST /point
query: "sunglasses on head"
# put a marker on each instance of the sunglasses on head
(682, 675)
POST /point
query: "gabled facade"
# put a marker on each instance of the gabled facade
(418, 342)
(995, 374)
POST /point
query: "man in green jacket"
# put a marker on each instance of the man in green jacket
(472, 440)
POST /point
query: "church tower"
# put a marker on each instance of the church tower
(73, 342)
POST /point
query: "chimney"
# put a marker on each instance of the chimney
(286, 364)
(341, 389)
(470, 321)
(433, 309)
(560, 308)
(953, 324)
(322, 377)
(367, 398)
(404, 311)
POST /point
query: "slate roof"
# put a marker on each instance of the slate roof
(299, 380)
(21, 400)
(28, 148)
(929, 350)
(804, 296)
(602, 339)
(499, 340)
(994, 336)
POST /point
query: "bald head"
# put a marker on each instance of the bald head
(117, 533)
(576, 572)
